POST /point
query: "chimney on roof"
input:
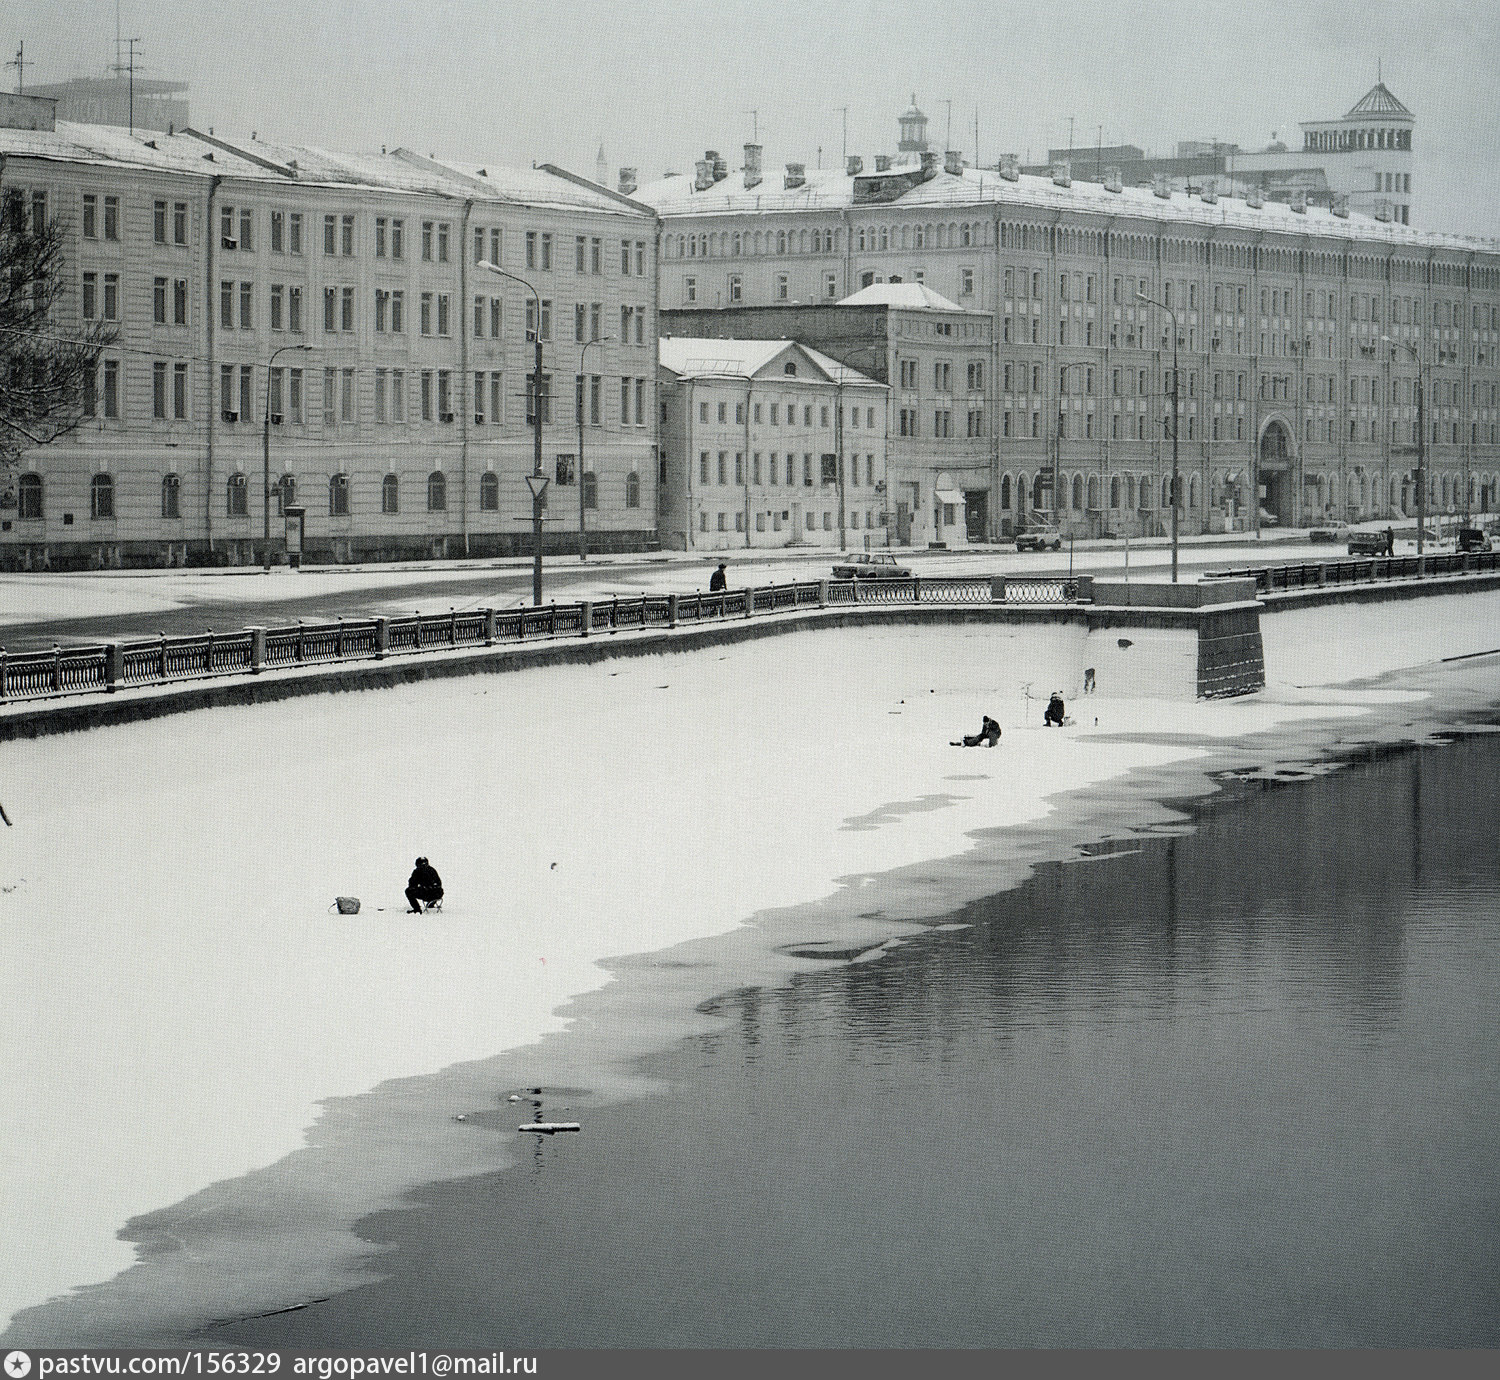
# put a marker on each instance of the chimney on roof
(953, 162)
(1210, 192)
(627, 181)
(929, 164)
(718, 167)
(854, 165)
(882, 162)
(1299, 202)
(1383, 211)
(796, 176)
(1161, 185)
(752, 166)
(1255, 199)
(1114, 180)
(1010, 168)
(703, 175)
(1062, 174)
(1341, 205)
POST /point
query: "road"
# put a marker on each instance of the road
(40, 610)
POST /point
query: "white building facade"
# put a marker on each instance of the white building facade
(341, 297)
(1302, 333)
(769, 444)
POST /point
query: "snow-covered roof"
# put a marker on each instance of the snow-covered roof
(400, 170)
(705, 357)
(916, 296)
(832, 190)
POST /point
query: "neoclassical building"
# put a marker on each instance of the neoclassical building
(1304, 336)
(341, 304)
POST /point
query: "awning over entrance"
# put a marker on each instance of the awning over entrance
(949, 496)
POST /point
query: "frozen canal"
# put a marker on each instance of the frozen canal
(193, 1040)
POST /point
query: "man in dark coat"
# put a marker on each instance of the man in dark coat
(717, 580)
(424, 885)
(1055, 714)
(988, 735)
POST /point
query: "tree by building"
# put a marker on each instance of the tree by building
(47, 368)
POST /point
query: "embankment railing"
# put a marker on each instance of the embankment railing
(163, 660)
(1362, 570)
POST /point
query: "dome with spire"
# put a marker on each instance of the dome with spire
(1377, 101)
(913, 130)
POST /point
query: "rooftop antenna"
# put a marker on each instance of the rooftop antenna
(1099, 157)
(976, 137)
(20, 63)
(948, 139)
(754, 125)
(1070, 136)
(845, 109)
(129, 67)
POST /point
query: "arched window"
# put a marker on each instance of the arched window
(489, 492)
(101, 496)
(632, 490)
(1166, 491)
(30, 498)
(1094, 491)
(390, 494)
(171, 488)
(437, 492)
(1114, 491)
(237, 503)
(1005, 491)
(590, 489)
(338, 496)
(1077, 491)
(1038, 491)
(1193, 493)
(1130, 491)
(286, 494)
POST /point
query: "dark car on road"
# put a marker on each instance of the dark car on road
(871, 565)
(1367, 544)
(1472, 539)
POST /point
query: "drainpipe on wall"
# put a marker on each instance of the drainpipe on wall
(465, 407)
(211, 411)
(749, 389)
(688, 543)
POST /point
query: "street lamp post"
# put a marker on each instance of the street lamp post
(266, 456)
(1421, 453)
(583, 552)
(1176, 478)
(536, 481)
(1062, 374)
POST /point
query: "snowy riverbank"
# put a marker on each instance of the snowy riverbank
(182, 1002)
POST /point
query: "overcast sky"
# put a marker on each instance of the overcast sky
(658, 81)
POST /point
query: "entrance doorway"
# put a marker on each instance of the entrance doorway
(1280, 499)
(977, 513)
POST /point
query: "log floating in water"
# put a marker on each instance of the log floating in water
(548, 1128)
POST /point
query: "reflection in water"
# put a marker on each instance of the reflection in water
(1230, 1087)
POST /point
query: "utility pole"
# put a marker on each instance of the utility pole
(845, 109)
(127, 67)
(754, 125)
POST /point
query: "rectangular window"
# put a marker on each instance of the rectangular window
(330, 389)
(159, 222)
(294, 309)
(424, 314)
(346, 309)
(90, 216)
(278, 293)
(380, 237)
(346, 395)
(497, 401)
(427, 241)
(330, 309)
(442, 241)
(111, 296)
(247, 228)
(111, 217)
(159, 301)
(596, 255)
(247, 392)
(346, 237)
(330, 235)
(278, 232)
(179, 222)
(247, 306)
(294, 396)
(159, 390)
(398, 239)
(179, 392)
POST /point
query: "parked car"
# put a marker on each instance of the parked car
(1472, 539)
(871, 565)
(1367, 544)
(1039, 539)
(1337, 532)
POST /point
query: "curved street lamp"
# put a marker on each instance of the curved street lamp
(1421, 452)
(266, 455)
(536, 481)
(1176, 478)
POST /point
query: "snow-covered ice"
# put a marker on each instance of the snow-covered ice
(180, 1000)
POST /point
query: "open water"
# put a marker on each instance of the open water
(1233, 1087)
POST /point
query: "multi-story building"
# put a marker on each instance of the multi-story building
(334, 311)
(769, 443)
(1304, 338)
(936, 357)
(130, 101)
